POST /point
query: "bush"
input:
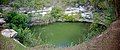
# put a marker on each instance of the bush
(56, 12)
(19, 23)
(19, 20)
(1, 10)
(15, 5)
(4, 2)
(25, 36)
(69, 18)
(95, 29)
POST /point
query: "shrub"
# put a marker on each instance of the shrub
(15, 5)
(4, 2)
(25, 36)
(1, 10)
(56, 12)
(69, 18)
(19, 20)
(95, 29)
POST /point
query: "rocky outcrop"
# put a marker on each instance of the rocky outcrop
(39, 21)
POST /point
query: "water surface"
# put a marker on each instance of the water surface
(61, 34)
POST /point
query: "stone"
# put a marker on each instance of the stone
(2, 21)
(9, 33)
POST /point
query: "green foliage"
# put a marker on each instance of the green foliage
(19, 20)
(19, 23)
(110, 16)
(25, 37)
(56, 12)
(69, 18)
(4, 2)
(15, 5)
(37, 4)
(102, 5)
(96, 17)
(73, 2)
(96, 1)
(69, 2)
(95, 29)
(82, 1)
(21, 3)
(1, 10)
(95, 25)
(106, 17)
(40, 3)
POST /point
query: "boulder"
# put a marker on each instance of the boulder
(2, 21)
(9, 33)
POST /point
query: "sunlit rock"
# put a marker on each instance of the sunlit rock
(2, 21)
(9, 33)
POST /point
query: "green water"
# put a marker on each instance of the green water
(61, 34)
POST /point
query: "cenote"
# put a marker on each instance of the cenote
(61, 34)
